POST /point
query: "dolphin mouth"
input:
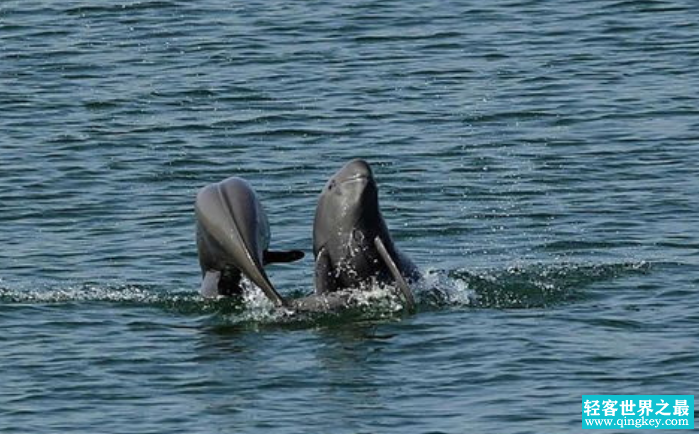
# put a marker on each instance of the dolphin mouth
(355, 178)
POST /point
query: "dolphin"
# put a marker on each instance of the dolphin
(351, 242)
(233, 240)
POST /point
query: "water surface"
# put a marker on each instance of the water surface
(538, 161)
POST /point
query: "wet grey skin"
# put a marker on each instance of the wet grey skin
(351, 242)
(233, 240)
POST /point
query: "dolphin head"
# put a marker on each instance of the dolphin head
(356, 169)
(348, 200)
(350, 192)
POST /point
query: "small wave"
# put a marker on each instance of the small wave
(126, 295)
(539, 285)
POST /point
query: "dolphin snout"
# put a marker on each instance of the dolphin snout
(355, 169)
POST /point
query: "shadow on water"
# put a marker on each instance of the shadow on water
(522, 287)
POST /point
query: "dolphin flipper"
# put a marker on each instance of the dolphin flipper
(324, 279)
(395, 272)
(209, 285)
(270, 256)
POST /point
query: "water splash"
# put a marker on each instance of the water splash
(530, 286)
(439, 289)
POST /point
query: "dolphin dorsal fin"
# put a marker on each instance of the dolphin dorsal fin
(395, 272)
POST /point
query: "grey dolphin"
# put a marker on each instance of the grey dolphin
(351, 242)
(233, 240)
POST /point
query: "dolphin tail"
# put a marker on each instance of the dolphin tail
(395, 272)
(231, 214)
